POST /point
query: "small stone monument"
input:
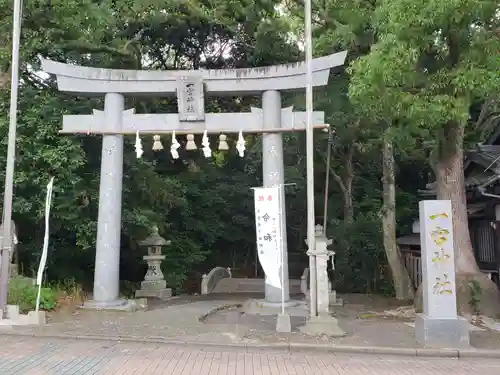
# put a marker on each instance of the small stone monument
(154, 284)
(439, 325)
(13, 267)
(324, 323)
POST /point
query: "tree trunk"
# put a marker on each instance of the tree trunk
(345, 183)
(347, 191)
(4, 79)
(400, 277)
(451, 186)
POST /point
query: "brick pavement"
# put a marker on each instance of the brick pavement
(37, 356)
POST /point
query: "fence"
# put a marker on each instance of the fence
(414, 266)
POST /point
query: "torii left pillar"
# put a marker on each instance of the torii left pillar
(107, 255)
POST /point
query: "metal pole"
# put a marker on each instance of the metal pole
(310, 159)
(327, 184)
(11, 149)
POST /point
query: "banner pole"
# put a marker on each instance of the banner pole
(280, 202)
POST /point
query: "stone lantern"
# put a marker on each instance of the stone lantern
(324, 322)
(154, 284)
(322, 255)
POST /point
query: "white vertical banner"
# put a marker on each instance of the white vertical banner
(43, 258)
(268, 227)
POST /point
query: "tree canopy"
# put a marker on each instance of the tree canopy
(415, 70)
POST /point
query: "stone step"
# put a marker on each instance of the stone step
(241, 285)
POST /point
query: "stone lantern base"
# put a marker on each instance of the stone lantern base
(154, 289)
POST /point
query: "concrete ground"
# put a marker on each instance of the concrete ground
(37, 356)
(178, 320)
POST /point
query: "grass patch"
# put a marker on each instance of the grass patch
(23, 292)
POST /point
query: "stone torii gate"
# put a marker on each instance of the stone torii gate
(190, 87)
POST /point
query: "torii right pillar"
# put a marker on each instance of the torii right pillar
(274, 175)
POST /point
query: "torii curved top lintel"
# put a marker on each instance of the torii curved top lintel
(288, 77)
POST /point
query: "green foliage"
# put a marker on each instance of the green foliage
(22, 292)
(361, 266)
(431, 61)
(205, 206)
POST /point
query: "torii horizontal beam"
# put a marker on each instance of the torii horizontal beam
(247, 122)
(287, 77)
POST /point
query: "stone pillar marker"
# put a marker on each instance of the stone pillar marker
(13, 267)
(324, 323)
(107, 256)
(154, 284)
(439, 325)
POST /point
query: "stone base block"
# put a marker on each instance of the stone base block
(283, 323)
(117, 305)
(262, 303)
(153, 285)
(35, 317)
(442, 333)
(322, 325)
(262, 307)
(14, 318)
(12, 312)
(163, 294)
(334, 300)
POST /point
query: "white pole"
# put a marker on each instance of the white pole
(37, 306)
(310, 159)
(6, 245)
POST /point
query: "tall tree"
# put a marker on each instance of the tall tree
(401, 279)
(431, 62)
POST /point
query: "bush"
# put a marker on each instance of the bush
(22, 292)
(360, 260)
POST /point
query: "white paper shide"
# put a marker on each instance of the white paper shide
(45, 249)
(269, 241)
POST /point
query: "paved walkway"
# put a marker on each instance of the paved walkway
(36, 356)
(178, 321)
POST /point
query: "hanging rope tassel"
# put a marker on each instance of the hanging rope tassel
(206, 145)
(175, 145)
(223, 146)
(240, 144)
(190, 144)
(138, 145)
(157, 145)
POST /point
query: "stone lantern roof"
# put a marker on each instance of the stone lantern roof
(154, 239)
